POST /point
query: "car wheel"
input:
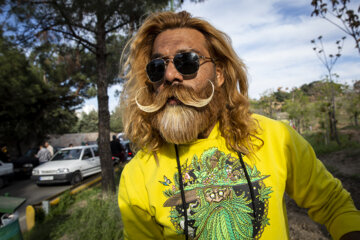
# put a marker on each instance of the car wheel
(76, 178)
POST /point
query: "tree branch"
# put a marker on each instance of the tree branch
(116, 27)
(73, 33)
(88, 45)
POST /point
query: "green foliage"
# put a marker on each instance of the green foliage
(299, 109)
(310, 107)
(31, 104)
(281, 95)
(93, 25)
(66, 67)
(45, 226)
(98, 219)
(267, 104)
(317, 142)
(270, 103)
(116, 124)
(87, 122)
(86, 215)
(351, 102)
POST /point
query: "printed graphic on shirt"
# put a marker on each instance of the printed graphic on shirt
(218, 198)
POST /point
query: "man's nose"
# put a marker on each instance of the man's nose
(172, 74)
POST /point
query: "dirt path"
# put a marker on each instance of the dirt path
(344, 165)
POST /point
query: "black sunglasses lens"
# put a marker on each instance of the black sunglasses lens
(187, 63)
(155, 70)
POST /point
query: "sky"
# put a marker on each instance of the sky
(273, 37)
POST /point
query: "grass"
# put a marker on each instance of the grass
(88, 215)
(317, 142)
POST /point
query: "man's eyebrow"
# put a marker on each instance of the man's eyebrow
(158, 55)
(187, 50)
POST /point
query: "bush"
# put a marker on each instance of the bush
(46, 224)
(317, 142)
(94, 218)
(87, 215)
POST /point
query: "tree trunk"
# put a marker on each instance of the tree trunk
(356, 114)
(107, 170)
(332, 116)
(331, 126)
(334, 133)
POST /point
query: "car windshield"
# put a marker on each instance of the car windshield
(30, 153)
(71, 154)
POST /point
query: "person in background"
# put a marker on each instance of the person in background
(208, 168)
(43, 154)
(117, 148)
(70, 145)
(4, 154)
(49, 147)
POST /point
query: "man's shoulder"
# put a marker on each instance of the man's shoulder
(266, 121)
(271, 126)
(139, 161)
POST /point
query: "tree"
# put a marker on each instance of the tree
(30, 106)
(339, 14)
(329, 61)
(269, 104)
(352, 102)
(116, 124)
(299, 109)
(90, 24)
(87, 122)
(326, 91)
(281, 95)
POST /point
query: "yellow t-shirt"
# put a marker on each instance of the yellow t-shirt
(219, 204)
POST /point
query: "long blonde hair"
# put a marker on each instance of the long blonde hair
(235, 121)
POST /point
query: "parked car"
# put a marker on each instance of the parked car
(129, 154)
(24, 165)
(69, 165)
(57, 148)
(6, 173)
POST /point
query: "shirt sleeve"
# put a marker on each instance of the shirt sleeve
(134, 206)
(314, 188)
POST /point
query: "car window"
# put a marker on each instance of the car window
(87, 154)
(71, 154)
(30, 153)
(96, 151)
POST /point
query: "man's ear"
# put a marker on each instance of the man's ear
(219, 76)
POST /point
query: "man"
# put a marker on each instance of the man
(207, 168)
(117, 149)
(4, 154)
(49, 147)
(43, 154)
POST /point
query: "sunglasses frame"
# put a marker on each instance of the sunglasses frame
(166, 61)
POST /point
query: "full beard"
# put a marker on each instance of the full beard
(181, 123)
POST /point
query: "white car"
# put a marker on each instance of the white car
(69, 165)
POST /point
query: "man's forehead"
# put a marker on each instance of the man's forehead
(173, 41)
(157, 54)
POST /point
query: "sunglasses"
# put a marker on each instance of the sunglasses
(186, 63)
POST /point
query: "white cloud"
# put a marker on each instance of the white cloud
(113, 97)
(273, 39)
